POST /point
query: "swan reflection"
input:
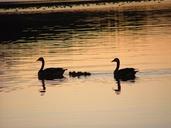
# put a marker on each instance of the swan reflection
(118, 83)
(118, 90)
(43, 89)
(53, 83)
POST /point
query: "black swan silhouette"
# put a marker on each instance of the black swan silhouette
(49, 73)
(125, 73)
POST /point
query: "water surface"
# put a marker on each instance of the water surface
(86, 41)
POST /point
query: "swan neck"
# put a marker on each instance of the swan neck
(117, 65)
(43, 63)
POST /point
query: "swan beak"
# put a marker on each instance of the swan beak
(38, 60)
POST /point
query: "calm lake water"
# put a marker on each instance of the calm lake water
(86, 41)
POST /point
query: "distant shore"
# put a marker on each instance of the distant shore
(88, 5)
(26, 4)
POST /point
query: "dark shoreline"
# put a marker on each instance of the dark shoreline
(38, 4)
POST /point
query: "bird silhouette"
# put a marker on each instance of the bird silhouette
(125, 73)
(49, 73)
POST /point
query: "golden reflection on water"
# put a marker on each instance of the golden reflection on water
(88, 104)
(91, 101)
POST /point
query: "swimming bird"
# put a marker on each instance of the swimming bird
(125, 73)
(49, 73)
(78, 74)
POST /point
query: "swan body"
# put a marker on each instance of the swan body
(125, 73)
(49, 73)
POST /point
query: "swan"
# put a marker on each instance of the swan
(125, 73)
(49, 73)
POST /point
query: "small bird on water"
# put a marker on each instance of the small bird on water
(49, 73)
(125, 73)
(78, 74)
